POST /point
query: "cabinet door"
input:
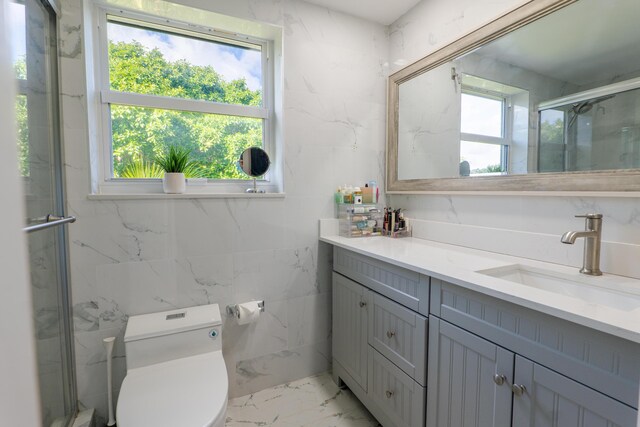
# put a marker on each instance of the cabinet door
(350, 327)
(469, 379)
(549, 399)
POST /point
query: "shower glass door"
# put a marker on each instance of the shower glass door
(34, 55)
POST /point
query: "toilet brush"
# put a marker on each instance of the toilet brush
(108, 344)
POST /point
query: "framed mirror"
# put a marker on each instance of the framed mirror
(545, 98)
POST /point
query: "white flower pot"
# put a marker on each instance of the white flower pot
(174, 183)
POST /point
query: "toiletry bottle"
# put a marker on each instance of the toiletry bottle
(357, 196)
(374, 190)
(367, 194)
(348, 195)
(392, 227)
(385, 226)
(339, 197)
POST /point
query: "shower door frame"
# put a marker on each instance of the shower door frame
(70, 392)
(68, 359)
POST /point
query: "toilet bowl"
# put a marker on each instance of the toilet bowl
(176, 375)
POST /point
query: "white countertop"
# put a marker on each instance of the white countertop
(459, 265)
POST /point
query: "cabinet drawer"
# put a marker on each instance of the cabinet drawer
(608, 364)
(401, 285)
(400, 335)
(400, 399)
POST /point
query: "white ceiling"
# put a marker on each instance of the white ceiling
(382, 11)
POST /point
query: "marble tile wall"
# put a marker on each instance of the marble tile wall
(135, 256)
(525, 226)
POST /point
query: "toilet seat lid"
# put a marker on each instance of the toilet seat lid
(187, 392)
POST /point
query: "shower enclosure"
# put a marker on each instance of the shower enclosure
(34, 56)
(597, 131)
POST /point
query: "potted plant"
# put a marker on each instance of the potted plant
(176, 165)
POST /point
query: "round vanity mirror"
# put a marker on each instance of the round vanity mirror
(254, 161)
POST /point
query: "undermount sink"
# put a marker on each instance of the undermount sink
(585, 289)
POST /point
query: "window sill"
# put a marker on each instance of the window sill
(146, 196)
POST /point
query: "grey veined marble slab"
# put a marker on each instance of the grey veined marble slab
(313, 401)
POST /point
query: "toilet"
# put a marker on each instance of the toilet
(176, 374)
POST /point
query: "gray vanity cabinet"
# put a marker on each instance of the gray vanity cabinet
(350, 318)
(549, 399)
(380, 337)
(469, 379)
(564, 374)
(476, 360)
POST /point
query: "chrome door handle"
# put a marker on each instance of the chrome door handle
(390, 334)
(363, 304)
(499, 379)
(49, 221)
(518, 390)
(389, 394)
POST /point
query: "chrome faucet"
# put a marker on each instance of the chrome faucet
(592, 238)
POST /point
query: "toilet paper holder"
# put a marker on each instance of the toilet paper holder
(232, 310)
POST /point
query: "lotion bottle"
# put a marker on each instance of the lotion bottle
(339, 196)
(374, 189)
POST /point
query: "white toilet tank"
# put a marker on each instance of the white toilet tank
(160, 337)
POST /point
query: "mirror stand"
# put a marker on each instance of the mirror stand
(255, 188)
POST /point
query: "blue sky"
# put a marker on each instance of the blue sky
(231, 62)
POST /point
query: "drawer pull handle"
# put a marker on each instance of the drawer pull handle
(389, 394)
(363, 304)
(518, 390)
(390, 334)
(499, 379)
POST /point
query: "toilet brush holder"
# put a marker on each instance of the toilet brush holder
(108, 344)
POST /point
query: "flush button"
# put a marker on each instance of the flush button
(175, 316)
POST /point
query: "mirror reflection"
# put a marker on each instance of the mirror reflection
(561, 94)
(254, 161)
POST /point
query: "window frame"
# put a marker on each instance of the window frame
(506, 126)
(105, 97)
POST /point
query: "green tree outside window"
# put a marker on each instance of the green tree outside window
(139, 134)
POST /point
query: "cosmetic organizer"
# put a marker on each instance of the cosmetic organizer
(359, 220)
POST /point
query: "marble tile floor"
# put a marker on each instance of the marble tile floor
(310, 402)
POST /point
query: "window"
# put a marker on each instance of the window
(484, 148)
(552, 151)
(163, 83)
(19, 61)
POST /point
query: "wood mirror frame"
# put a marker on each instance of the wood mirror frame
(593, 181)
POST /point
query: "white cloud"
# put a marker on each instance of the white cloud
(244, 63)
